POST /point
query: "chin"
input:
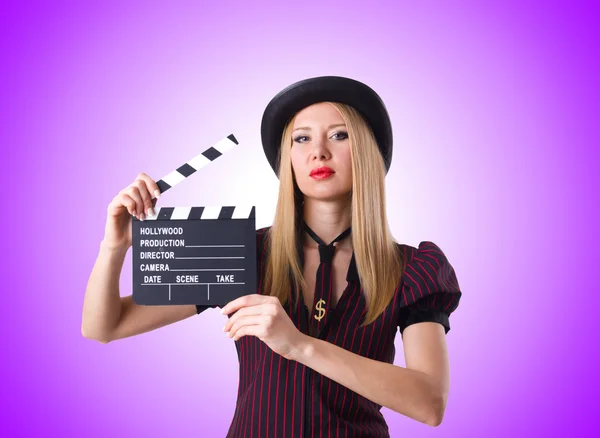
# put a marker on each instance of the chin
(326, 190)
(328, 195)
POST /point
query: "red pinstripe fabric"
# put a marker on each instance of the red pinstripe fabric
(282, 398)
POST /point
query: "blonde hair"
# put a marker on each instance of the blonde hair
(378, 259)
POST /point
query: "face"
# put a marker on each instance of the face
(320, 140)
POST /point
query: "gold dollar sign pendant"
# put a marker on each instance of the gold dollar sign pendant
(320, 309)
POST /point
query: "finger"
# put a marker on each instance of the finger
(146, 197)
(248, 330)
(151, 184)
(246, 300)
(134, 194)
(128, 203)
(122, 201)
(244, 321)
(260, 309)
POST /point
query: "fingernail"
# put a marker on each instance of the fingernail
(142, 217)
(157, 193)
(150, 212)
(224, 327)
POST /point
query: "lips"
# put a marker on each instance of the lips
(321, 172)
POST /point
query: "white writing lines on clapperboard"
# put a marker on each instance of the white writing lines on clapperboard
(161, 239)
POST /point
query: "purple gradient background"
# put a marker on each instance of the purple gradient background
(495, 110)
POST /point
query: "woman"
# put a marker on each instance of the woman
(316, 342)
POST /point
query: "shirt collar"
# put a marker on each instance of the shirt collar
(352, 271)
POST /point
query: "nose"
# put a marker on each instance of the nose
(320, 150)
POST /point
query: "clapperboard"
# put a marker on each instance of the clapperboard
(194, 255)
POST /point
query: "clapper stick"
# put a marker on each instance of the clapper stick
(187, 169)
(182, 254)
(196, 163)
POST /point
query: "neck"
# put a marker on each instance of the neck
(328, 220)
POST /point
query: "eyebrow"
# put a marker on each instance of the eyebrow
(308, 127)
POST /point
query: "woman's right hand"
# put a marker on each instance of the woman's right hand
(134, 200)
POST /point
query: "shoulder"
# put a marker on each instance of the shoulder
(427, 271)
(263, 231)
(425, 251)
(429, 289)
(261, 238)
(262, 246)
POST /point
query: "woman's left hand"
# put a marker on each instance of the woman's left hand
(264, 317)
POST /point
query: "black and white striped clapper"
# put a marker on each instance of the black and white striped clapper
(196, 163)
(194, 255)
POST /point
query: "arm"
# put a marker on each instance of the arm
(418, 391)
(107, 316)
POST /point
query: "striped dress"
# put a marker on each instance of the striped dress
(283, 398)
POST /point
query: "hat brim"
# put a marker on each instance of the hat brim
(304, 93)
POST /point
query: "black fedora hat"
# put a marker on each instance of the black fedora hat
(339, 89)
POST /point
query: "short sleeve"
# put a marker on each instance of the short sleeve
(429, 288)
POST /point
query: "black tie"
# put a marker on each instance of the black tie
(324, 281)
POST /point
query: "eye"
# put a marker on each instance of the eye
(343, 134)
(297, 139)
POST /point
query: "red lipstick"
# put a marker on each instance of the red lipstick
(321, 172)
